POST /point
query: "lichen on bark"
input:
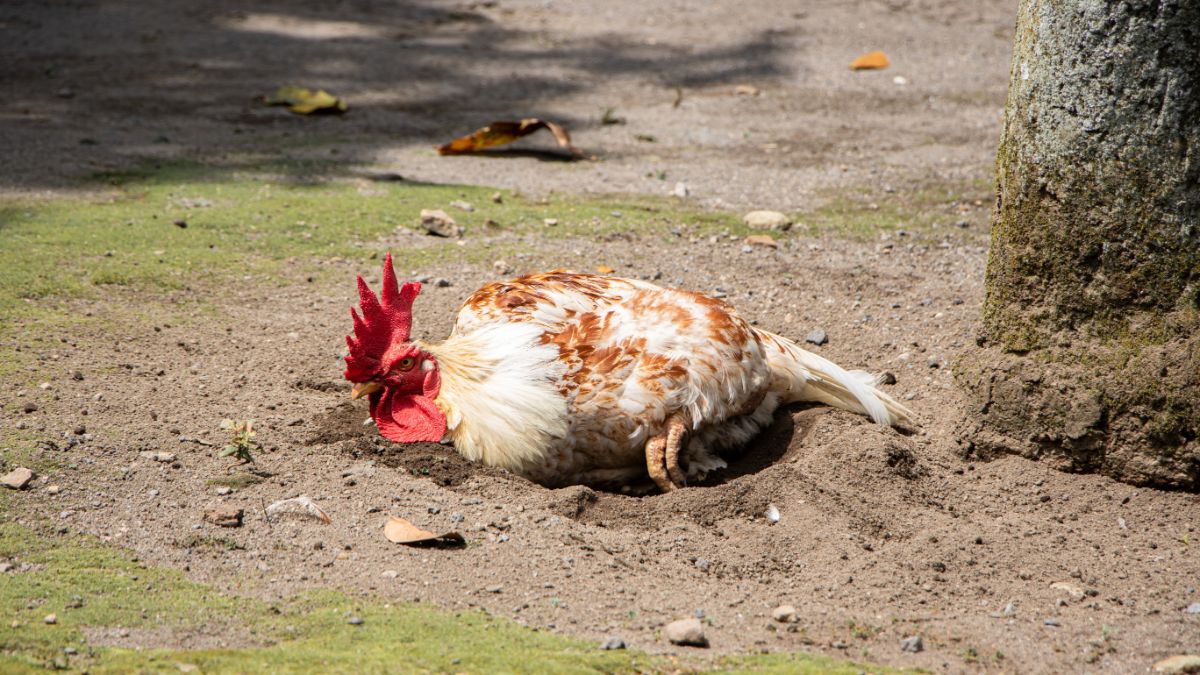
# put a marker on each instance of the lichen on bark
(1093, 282)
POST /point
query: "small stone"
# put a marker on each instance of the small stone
(912, 644)
(747, 249)
(497, 198)
(784, 614)
(1052, 622)
(389, 574)
(80, 430)
(29, 407)
(77, 375)
(817, 337)
(687, 632)
(442, 283)
(164, 457)
(50, 619)
(180, 223)
(886, 378)
(767, 220)
(703, 564)
(224, 490)
(1183, 663)
(613, 643)
(53, 490)
(17, 479)
(224, 516)
(439, 224)
(494, 589)
(550, 222)
(1193, 608)
(502, 267)
(355, 621)
(462, 206)
(681, 190)
(1070, 589)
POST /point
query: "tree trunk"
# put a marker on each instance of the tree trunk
(1091, 355)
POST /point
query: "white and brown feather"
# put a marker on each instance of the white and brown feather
(564, 377)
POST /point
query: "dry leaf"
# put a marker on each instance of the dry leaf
(870, 61)
(400, 531)
(302, 505)
(604, 269)
(746, 90)
(762, 240)
(506, 131)
(306, 101)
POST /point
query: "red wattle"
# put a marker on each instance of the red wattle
(407, 418)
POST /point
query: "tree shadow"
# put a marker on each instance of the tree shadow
(107, 83)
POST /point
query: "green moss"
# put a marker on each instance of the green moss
(89, 586)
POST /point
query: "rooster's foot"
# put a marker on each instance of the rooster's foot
(662, 456)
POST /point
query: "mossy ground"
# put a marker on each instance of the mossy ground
(89, 586)
(118, 239)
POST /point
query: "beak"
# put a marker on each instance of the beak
(361, 389)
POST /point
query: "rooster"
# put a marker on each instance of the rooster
(570, 378)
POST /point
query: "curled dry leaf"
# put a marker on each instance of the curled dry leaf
(506, 131)
(870, 61)
(304, 101)
(302, 505)
(400, 531)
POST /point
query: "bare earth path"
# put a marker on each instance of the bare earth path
(882, 535)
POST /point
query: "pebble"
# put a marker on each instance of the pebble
(886, 378)
(912, 644)
(613, 643)
(1193, 608)
(51, 619)
(687, 632)
(497, 198)
(784, 614)
(442, 283)
(17, 479)
(355, 621)
(747, 249)
(550, 222)
(53, 490)
(494, 589)
(817, 337)
(761, 240)
(703, 563)
(1052, 622)
(462, 206)
(439, 224)
(501, 267)
(767, 220)
(224, 491)
(389, 574)
(681, 190)
(224, 516)
(29, 407)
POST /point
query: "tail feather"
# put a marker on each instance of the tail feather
(801, 375)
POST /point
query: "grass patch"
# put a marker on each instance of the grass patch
(87, 585)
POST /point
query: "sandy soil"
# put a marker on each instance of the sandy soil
(1006, 566)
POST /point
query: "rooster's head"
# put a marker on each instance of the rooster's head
(400, 378)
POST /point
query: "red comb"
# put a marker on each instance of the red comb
(385, 321)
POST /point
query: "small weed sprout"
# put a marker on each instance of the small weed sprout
(242, 442)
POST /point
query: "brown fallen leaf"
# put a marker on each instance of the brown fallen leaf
(506, 131)
(870, 61)
(762, 240)
(224, 516)
(304, 101)
(604, 269)
(746, 90)
(400, 531)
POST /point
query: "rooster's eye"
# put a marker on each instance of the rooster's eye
(406, 364)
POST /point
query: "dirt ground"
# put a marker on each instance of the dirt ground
(1006, 566)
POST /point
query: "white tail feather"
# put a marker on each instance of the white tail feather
(801, 375)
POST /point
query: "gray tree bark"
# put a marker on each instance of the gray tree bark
(1091, 354)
